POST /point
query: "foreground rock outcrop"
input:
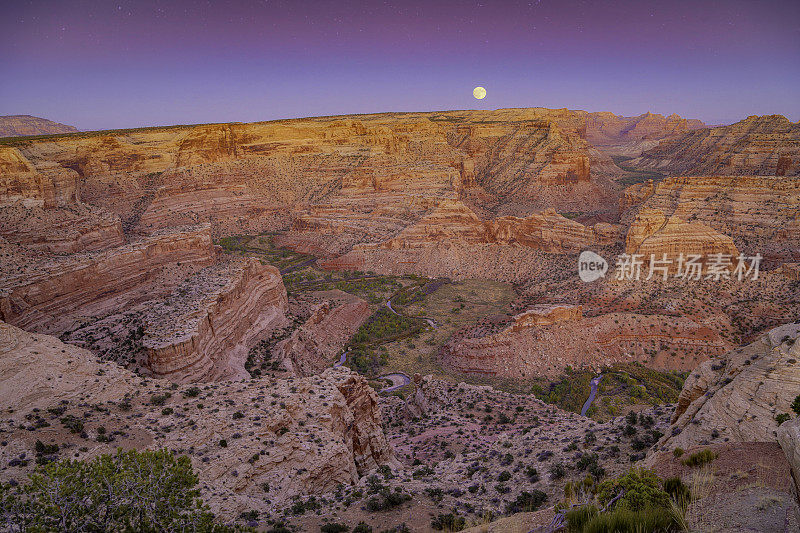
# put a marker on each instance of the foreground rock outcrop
(739, 396)
(206, 326)
(287, 437)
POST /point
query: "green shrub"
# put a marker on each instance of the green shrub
(642, 490)
(677, 452)
(677, 490)
(700, 458)
(73, 424)
(796, 405)
(527, 502)
(362, 527)
(782, 417)
(192, 392)
(129, 491)
(623, 520)
(448, 522)
(578, 517)
(158, 399)
(387, 500)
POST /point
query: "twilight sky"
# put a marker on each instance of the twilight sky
(99, 64)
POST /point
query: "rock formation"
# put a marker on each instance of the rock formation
(546, 315)
(453, 241)
(453, 221)
(313, 346)
(759, 213)
(19, 125)
(205, 328)
(758, 145)
(629, 136)
(386, 168)
(78, 228)
(738, 397)
(48, 293)
(653, 236)
(545, 339)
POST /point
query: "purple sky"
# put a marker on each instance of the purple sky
(113, 64)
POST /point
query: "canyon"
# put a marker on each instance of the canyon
(336, 408)
(205, 328)
(239, 293)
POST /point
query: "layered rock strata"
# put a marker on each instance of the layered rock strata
(629, 136)
(68, 230)
(47, 293)
(739, 396)
(653, 236)
(453, 241)
(761, 145)
(314, 345)
(759, 213)
(205, 328)
(545, 340)
(385, 169)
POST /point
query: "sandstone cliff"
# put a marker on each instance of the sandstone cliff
(313, 346)
(758, 145)
(629, 136)
(759, 213)
(384, 171)
(48, 293)
(653, 235)
(545, 339)
(205, 328)
(737, 397)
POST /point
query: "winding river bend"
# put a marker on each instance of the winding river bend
(398, 379)
(595, 381)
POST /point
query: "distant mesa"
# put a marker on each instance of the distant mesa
(24, 125)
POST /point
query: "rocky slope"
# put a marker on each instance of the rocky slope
(77, 228)
(18, 125)
(766, 145)
(307, 435)
(738, 397)
(545, 339)
(205, 328)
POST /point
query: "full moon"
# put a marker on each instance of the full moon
(479, 93)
